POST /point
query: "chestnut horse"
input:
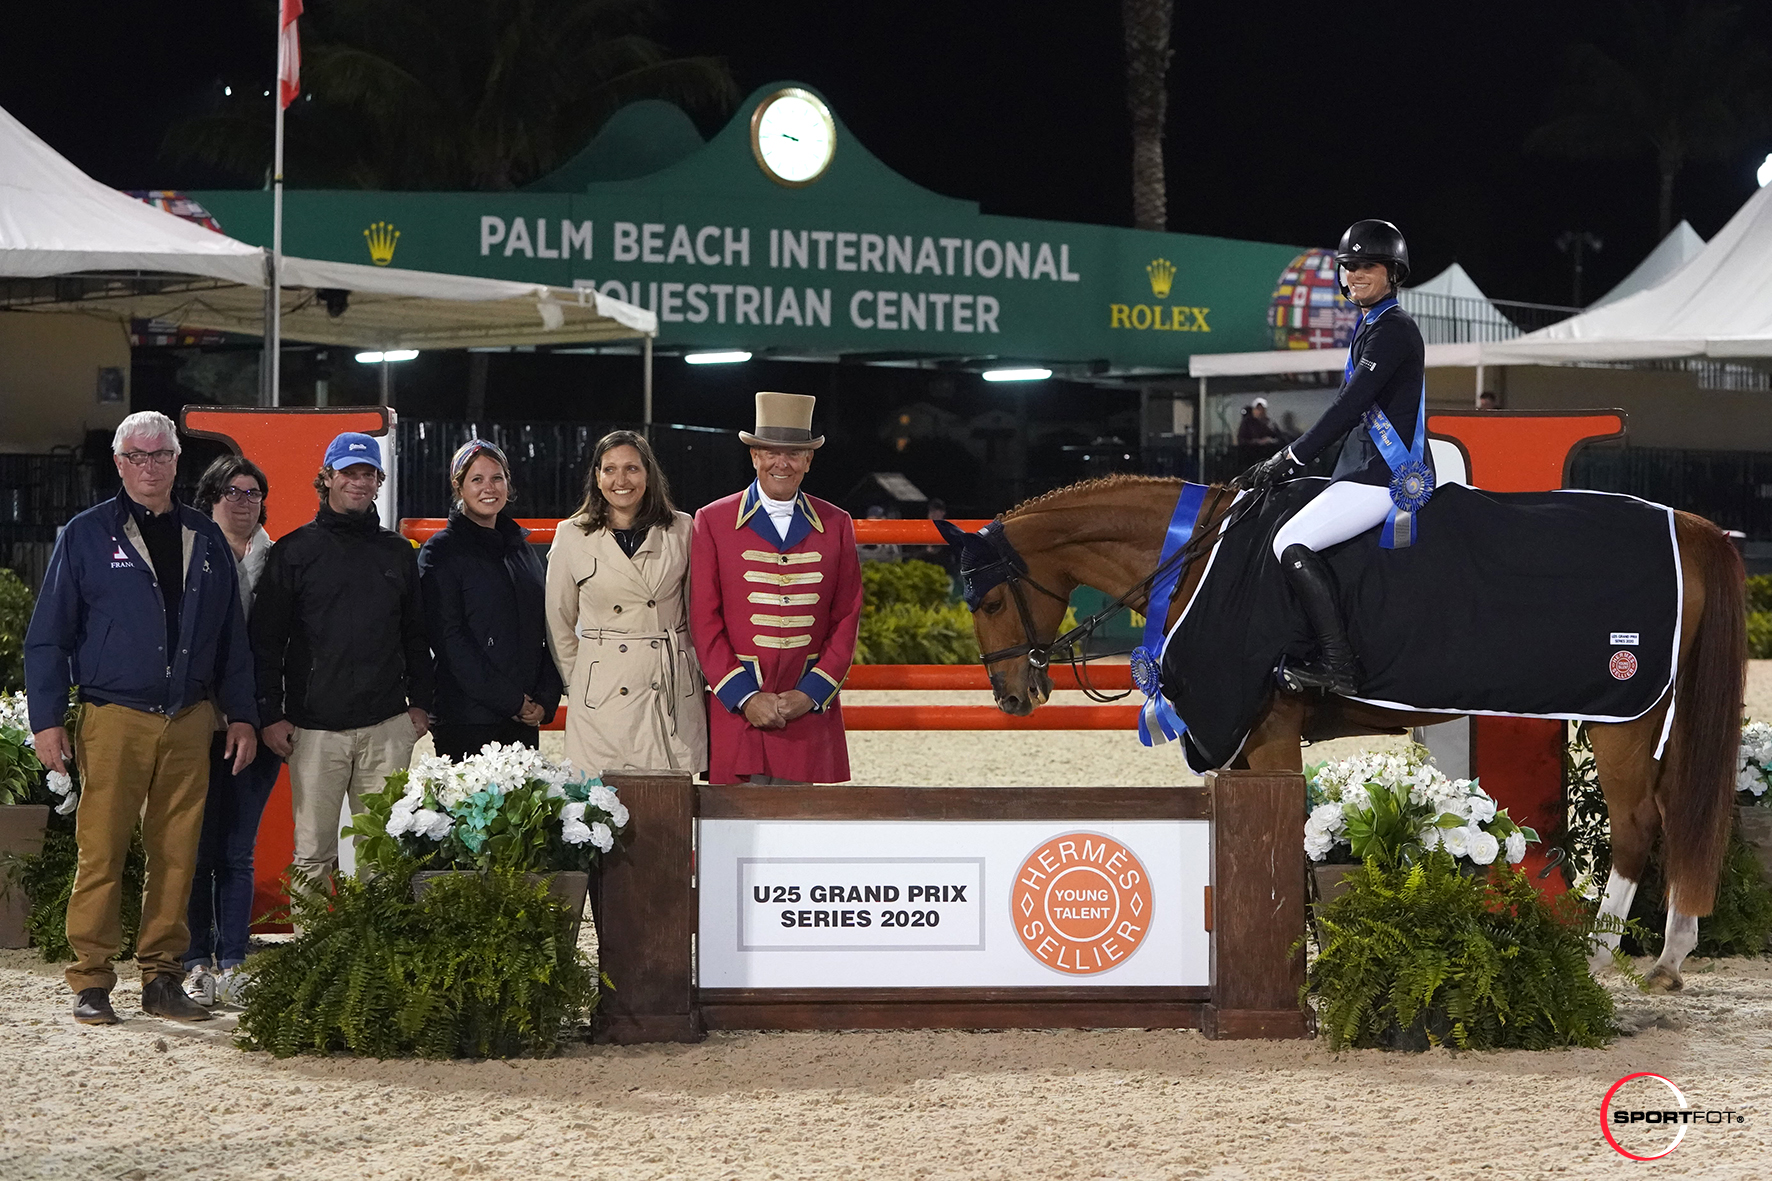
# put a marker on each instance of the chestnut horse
(1107, 534)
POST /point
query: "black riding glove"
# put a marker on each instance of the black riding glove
(1276, 467)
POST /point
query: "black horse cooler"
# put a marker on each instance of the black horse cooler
(1536, 604)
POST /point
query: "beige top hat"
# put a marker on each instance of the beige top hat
(783, 421)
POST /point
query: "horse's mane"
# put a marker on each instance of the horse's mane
(1098, 484)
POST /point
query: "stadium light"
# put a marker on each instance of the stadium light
(1764, 175)
(390, 355)
(1017, 374)
(729, 357)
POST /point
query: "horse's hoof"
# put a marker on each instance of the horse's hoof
(1663, 979)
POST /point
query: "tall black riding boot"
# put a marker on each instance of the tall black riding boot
(1336, 669)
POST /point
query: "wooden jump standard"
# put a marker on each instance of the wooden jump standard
(645, 905)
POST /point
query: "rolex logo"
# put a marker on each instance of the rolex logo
(1162, 273)
(382, 239)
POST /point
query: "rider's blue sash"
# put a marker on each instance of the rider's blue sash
(1412, 480)
(1157, 721)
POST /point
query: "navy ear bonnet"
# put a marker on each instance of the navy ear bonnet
(987, 560)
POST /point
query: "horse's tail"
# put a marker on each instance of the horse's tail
(1697, 788)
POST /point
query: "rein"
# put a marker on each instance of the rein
(1040, 655)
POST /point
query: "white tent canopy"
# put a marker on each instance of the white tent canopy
(1680, 247)
(1452, 309)
(133, 261)
(1718, 305)
(1454, 282)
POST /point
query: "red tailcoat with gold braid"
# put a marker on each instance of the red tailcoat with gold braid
(772, 613)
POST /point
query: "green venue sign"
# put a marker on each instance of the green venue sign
(855, 260)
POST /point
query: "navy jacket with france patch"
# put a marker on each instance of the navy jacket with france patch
(100, 623)
(1388, 358)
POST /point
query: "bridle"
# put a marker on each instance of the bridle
(1009, 567)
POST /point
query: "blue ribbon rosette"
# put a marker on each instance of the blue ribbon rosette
(1412, 479)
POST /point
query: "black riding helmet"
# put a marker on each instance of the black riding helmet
(1371, 241)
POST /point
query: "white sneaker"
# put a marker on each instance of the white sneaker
(230, 986)
(200, 985)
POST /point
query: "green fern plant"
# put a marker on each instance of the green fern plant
(1418, 955)
(479, 966)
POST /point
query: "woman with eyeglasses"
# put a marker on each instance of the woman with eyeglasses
(483, 586)
(232, 491)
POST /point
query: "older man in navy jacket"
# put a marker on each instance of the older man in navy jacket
(140, 613)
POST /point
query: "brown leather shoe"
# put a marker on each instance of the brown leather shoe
(164, 996)
(93, 1007)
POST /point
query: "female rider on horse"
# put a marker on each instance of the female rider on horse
(1382, 410)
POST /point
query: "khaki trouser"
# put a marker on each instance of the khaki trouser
(326, 767)
(147, 766)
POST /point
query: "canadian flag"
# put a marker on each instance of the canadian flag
(288, 54)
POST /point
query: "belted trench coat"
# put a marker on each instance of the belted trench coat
(619, 630)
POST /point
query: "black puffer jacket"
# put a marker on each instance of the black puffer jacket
(483, 592)
(338, 627)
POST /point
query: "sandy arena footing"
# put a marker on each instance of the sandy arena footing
(150, 1099)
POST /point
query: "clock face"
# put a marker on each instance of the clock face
(793, 136)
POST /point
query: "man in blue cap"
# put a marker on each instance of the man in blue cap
(344, 670)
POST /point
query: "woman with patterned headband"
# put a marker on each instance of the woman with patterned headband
(618, 616)
(483, 587)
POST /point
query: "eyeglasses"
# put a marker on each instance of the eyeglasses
(236, 495)
(144, 458)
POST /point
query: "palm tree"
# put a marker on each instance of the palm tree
(1685, 85)
(454, 94)
(1147, 100)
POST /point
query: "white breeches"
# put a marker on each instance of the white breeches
(1342, 510)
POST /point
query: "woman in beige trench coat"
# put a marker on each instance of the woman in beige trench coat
(618, 619)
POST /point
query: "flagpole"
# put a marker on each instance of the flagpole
(274, 329)
(287, 86)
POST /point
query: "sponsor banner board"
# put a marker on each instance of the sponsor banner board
(943, 904)
(861, 260)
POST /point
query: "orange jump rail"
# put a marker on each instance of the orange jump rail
(541, 529)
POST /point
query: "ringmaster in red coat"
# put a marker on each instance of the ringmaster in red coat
(775, 601)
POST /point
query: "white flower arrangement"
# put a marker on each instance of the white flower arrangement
(1754, 764)
(503, 806)
(15, 714)
(62, 784)
(21, 771)
(1398, 803)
